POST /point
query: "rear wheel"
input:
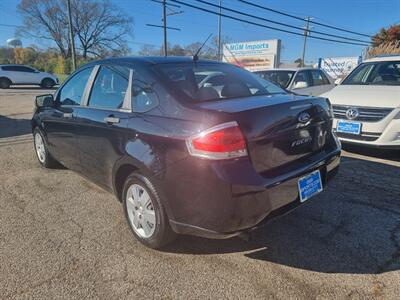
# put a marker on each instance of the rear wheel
(5, 83)
(43, 155)
(47, 83)
(145, 213)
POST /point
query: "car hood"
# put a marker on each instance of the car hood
(365, 95)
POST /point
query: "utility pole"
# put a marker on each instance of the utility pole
(165, 26)
(219, 32)
(306, 33)
(165, 6)
(71, 35)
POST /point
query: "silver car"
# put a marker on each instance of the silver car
(303, 81)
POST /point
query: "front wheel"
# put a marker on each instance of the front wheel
(145, 213)
(43, 155)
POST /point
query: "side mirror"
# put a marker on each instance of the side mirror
(300, 85)
(338, 81)
(44, 101)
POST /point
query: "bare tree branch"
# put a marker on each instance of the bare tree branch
(99, 26)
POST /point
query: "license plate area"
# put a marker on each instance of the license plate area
(310, 185)
(348, 127)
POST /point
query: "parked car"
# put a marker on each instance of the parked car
(24, 75)
(185, 158)
(367, 104)
(302, 81)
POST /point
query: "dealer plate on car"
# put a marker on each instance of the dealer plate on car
(348, 127)
(310, 185)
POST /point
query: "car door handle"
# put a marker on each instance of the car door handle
(111, 120)
(67, 115)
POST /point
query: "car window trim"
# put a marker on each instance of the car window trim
(127, 104)
(124, 110)
(89, 86)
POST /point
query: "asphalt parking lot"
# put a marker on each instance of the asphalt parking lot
(63, 237)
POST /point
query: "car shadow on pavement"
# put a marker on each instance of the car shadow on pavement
(353, 227)
(10, 127)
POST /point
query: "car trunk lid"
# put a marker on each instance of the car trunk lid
(279, 129)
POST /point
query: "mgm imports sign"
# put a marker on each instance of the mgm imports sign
(254, 55)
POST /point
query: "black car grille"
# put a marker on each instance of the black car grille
(366, 114)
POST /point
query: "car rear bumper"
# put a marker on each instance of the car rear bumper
(223, 199)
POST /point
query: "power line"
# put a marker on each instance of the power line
(10, 25)
(265, 26)
(299, 18)
(280, 23)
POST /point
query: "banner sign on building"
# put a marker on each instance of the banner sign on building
(253, 56)
(338, 67)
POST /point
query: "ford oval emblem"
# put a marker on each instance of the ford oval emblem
(304, 117)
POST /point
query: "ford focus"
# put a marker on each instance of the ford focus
(183, 152)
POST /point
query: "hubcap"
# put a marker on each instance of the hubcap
(40, 149)
(140, 211)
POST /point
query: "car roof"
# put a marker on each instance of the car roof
(150, 60)
(383, 58)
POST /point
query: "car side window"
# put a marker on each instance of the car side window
(10, 68)
(110, 87)
(26, 69)
(302, 77)
(143, 96)
(71, 93)
(318, 78)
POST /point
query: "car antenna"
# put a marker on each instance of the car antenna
(196, 56)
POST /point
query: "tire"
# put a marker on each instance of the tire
(5, 83)
(141, 212)
(47, 83)
(42, 154)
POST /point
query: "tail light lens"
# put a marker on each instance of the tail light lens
(223, 141)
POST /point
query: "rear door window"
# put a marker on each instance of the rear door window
(144, 97)
(110, 87)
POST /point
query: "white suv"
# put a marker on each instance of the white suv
(367, 104)
(24, 75)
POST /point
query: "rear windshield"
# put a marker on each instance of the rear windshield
(213, 81)
(375, 73)
(282, 78)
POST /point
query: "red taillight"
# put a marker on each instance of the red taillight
(220, 142)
